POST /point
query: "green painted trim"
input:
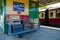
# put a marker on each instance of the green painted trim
(4, 9)
(0, 7)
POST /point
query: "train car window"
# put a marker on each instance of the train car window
(59, 10)
(58, 15)
(56, 11)
(42, 15)
(51, 14)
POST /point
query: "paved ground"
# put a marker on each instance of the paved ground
(42, 34)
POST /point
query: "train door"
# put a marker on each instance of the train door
(47, 16)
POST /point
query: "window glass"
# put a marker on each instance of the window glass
(59, 10)
(56, 11)
(42, 15)
(58, 15)
(51, 14)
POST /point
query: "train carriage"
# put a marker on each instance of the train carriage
(52, 16)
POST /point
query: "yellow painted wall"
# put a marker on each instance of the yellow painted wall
(9, 7)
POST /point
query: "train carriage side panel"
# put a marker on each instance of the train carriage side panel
(42, 17)
(54, 17)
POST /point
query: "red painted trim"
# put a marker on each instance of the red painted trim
(24, 17)
(21, 16)
(42, 20)
(54, 21)
(8, 16)
(51, 21)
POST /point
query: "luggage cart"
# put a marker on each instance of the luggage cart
(15, 27)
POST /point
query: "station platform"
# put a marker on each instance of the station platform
(44, 33)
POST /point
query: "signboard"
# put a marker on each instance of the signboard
(17, 6)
